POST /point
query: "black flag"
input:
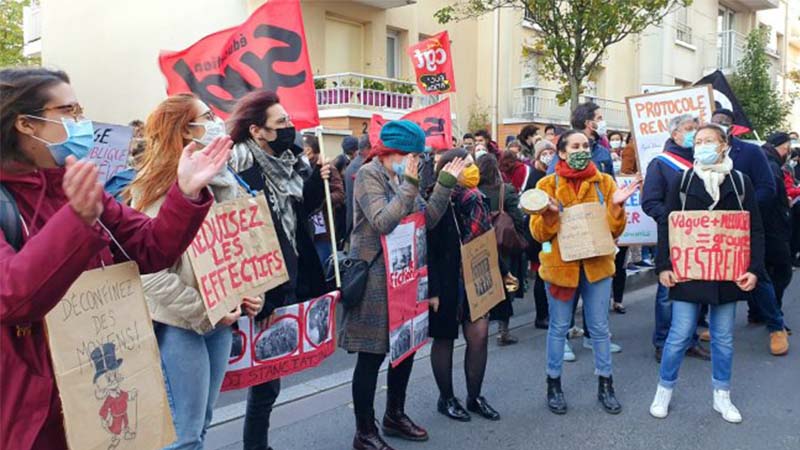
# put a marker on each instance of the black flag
(725, 99)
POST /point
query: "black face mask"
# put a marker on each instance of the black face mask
(284, 141)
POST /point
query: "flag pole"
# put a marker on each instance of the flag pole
(329, 205)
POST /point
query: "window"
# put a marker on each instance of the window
(344, 46)
(530, 68)
(683, 31)
(392, 55)
(726, 37)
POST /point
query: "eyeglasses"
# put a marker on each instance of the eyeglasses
(208, 115)
(73, 109)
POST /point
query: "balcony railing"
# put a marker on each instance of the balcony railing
(31, 29)
(355, 90)
(730, 49)
(683, 32)
(541, 105)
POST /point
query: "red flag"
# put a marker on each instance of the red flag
(268, 51)
(435, 121)
(433, 64)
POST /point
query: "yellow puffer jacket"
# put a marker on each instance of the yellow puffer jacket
(567, 274)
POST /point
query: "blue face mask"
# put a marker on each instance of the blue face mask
(399, 168)
(706, 153)
(688, 139)
(80, 139)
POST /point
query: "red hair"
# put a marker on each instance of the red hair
(379, 151)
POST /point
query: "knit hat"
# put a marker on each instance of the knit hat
(779, 138)
(404, 136)
(541, 146)
(349, 144)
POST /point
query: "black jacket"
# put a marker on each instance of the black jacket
(306, 278)
(697, 199)
(777, 214)
(444, 276)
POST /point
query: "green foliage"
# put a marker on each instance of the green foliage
(752, 85)
(319, 83)
(11, 40)
(479, 117)
(574, 33)
(375, 85)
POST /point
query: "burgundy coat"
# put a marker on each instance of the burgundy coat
(58, 247)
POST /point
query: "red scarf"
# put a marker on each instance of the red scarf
(575, 177)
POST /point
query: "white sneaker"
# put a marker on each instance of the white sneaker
(723, 405)
(660, 407)
(587, 344)
(569, 355)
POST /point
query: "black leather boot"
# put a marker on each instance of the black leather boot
(555, 396)
(397, 424)
(452, 408)
(605, 394)
(367, 436)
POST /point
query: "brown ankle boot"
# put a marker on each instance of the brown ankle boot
(397, 424)
(367, 436)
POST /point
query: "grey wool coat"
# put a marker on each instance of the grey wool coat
(380, 203)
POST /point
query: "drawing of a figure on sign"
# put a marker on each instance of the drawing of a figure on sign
(115, 414)
(481, 275)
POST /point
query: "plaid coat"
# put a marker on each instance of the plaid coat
(379, 206)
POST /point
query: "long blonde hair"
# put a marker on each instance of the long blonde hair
(164, 143)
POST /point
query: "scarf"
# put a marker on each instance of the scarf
(713, 175)
(575, 177)
(472, 212)
(285, 184)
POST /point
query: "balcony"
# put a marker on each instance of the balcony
(759, 5)
(385, 4)
(536, 104)
(32, 29)
(731, 47)
(366, 92)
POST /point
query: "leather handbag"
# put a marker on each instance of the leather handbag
(353, 274)
(509, 240)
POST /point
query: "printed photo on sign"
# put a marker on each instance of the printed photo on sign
(238, 346)
(400, 342)
(481, 275)
(421, 246)
(280, 339)
(420, 329)
(318, 318)
(422, 289)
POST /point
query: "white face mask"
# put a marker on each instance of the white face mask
(616, 144)
(214, 129)
(546, 159)
(602, 128)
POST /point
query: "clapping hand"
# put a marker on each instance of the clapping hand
(197, 168)
(623, 194)
(455, 167)
(412, 166)
(83, 189)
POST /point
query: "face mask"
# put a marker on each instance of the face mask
(546, 159)
(399, 168)
(470, 177)
(602, 128)
(792, 164)
(480, 153)
(284, 141)
(80, 139)
(706, 154)
(579, 160)
(795, 143)
(616, 144)
(688, 139)
(214, 129)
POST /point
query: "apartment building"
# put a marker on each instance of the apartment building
(357, 52)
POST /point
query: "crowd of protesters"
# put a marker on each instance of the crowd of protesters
(184, 158)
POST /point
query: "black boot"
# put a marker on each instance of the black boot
(397, 424)
(605, 394)
(367, 436)
(555, 396)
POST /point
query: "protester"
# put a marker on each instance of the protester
(466, 218)
(66, 226)
(550, 132)
(751, 161)
(468, 141)
(349, 149)
(320, 224)
(526, 139)
(589, 278)
(491, 184)
(191, 346)
(386, 191)
(349, 177)
(615, 143)
(630, 165)
(267, 160)
(711, 185)
(544, 153)
(515, 171)
(516, 147)
(484, 138)
(670, 165)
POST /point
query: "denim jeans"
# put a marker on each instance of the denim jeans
(260, 400)
(764, 304)
(684, 324)
(664, 318)
(596, 297)
(194, 366)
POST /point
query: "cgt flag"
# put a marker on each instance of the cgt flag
(435, 121)
(268, 52)
(433, 64)
(724, 98)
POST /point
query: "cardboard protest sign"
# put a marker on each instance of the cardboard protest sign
(435, 121)
(405, 253)
(482, 279)
(236, 254)
(709, 245)
(433, 64)
(111, 149)
(267, 52)
(641, 229)
(299, 337)
(107, 365)
(584, 232)
(649, 116)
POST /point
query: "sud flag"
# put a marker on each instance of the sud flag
(268, 51)
(435, 121)
(724, 98)
(433, 65)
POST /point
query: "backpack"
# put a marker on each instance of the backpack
(685, 186)
(10, 223)
(508, 238)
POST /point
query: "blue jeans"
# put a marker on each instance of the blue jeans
(684, 324)
(194, 366)
(764, 303)
(596, 297)
(664, 318)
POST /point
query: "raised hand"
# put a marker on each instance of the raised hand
(455, 167)
(412, 166)
(83, 189)
(623, 194)
(197, 168)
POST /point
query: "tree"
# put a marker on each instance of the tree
(11, 39)
(752, 85)
(574, 33)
